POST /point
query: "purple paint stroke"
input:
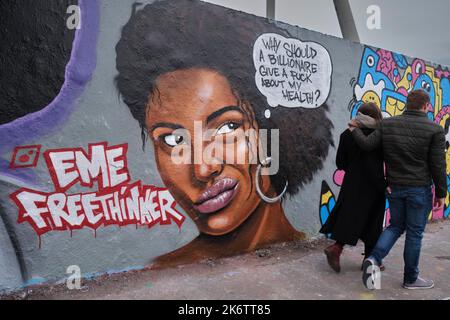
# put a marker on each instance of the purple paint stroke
(25, 175)
(78, 72)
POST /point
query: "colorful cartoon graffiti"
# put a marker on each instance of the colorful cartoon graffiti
(327, 202)
(385, 78)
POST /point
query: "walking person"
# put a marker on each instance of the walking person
(414, 154)
(359, 210)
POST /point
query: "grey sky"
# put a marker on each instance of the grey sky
(416, 28)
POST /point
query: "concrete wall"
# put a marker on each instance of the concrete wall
(45, 227)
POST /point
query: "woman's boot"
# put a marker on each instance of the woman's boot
(333, 254)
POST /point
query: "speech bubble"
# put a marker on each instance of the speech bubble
(291, 73)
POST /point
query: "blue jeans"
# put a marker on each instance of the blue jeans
(409, 208)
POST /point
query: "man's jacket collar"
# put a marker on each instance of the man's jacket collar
(415, 113)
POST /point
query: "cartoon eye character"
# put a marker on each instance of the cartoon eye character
(370, 61)
(425, 86)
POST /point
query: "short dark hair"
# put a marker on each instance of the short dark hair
(417, 99)
(371, 109)
(165, 36)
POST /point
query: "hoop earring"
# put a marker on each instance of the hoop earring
(265, 163)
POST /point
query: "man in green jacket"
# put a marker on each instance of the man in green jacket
(414, 154)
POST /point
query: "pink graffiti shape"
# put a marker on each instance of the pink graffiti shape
(436, 214)
(338, 177)
(418, 67)
(445, 110)
(403, 91)
(387, 218)
(442, 73)
(386, 64)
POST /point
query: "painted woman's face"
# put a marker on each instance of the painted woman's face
(194, 118)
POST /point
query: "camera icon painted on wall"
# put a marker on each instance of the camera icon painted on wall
(25, 157)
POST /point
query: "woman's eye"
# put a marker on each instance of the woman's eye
(228, 127)
(173, 139)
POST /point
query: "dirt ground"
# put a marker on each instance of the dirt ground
(296, 270)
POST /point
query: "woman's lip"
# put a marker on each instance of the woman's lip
(216, 203)
(217, 196)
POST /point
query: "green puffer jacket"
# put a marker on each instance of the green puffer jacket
(413, 148)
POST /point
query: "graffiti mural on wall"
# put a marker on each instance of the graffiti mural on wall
(197, 82)
(209, 79)
(210, 70)
(385, 78)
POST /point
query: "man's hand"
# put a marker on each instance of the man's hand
(353, 124)
(439, 203)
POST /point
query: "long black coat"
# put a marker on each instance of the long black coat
(359, 210)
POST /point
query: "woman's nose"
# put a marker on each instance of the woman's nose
(206, 171)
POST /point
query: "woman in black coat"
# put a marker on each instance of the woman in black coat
(359, 210)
